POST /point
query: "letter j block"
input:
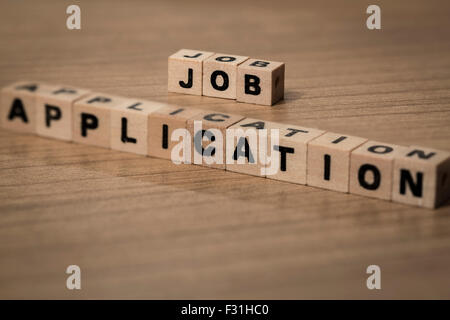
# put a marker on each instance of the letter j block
(186, 71)
(260, 82)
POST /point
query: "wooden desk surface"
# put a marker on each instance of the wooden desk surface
(145, 228)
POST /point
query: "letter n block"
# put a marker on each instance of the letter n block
(329, 161)
(260, 82)
(371, 169)
(18, 106)
(219, 75)
(186, 71)
(129, 125)
(54, 111)
(421, 177)
(162, 134)
(208, 137)
(92, 118)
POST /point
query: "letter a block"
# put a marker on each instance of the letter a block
(329, 161)
(186, 71)
(129, 125)
(219, 75)
(208, 135)
(371, 169)
(92, 119)
(260, 82)
(162, 124)
(18, 106)
(54, 111)
(421, 177)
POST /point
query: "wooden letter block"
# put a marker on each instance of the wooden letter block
(92, 119)
(219, 75)
(371, 169)
(291, 152)
(242, 147)
(208, 135)
(54, 111)
(161, 124)
(185, 71)
(260, 82)
(18, 106)
(129, 125)
(421, 177)
(329, 161)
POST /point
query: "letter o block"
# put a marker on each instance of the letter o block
(260, 82)
(421, 177)
(186, 70)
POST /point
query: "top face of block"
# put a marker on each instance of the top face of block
(140, 106)
(381, 150)
(295, 133)
(261, 65)
(101, 100)
(253, 124)
(191, 55)
(27, 88)
(426, 156)
(215, 119)
(337, 141)
(64, 93)
(226, 59)
(177, 113)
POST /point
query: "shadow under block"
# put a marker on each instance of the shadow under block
(185, 71)
(129, 125)
(219, 75)
(290, 152)
(162, 124)
(242, 147)
(371, 169)
(328, 163)
(92, 118)
(421, 177)
(208, 137)
(54, 110)
(260, 82)
(18, 106)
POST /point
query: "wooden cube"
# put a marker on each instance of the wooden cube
(129, 125)
(329, 160)
(219, 75)
(92, 118)
(162, 134)
(54, 110)
(371, 169)
(260, 82)
(290, 152)
(243, 153)
(185, 71)
(18, 106)
(421, 177)
(208, 137)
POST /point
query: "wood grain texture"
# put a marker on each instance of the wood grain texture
(142, 227)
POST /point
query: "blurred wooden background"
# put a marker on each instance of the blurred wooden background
(145, 228)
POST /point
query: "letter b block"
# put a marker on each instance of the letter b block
(421, 177)
(185, 71)
(260, 82)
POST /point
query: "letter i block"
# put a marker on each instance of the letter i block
(54, 111)
(260, 82)
(18, 106)
(185, 71)
(208, 137)
(167, 129)
(371, 169)
(421, 177)
(329, 161)
(290, 152)
(92, 118)
(219, 75)
(243, 152)
(129, 125)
